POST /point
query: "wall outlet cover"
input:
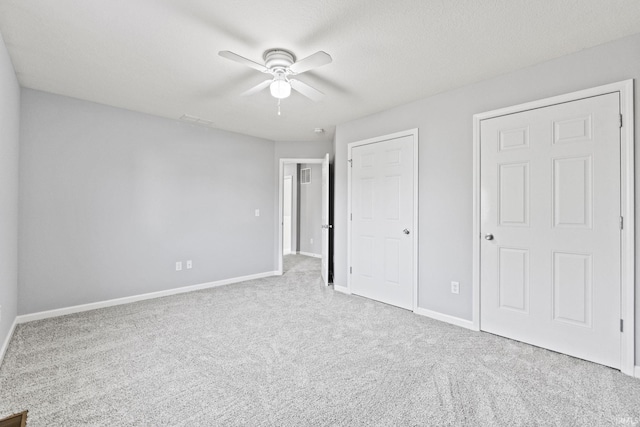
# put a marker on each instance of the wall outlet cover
(455, 287)
(178, 265)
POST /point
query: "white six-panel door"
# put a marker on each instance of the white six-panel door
(550, 223)
(382, 209)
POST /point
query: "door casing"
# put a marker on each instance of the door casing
(413, 133)
(627, 176)
(287, 200)
(325, 217)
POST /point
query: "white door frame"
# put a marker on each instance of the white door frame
(627, 294)
(285, 178)
(325, 216)
(413, 133)
(284, 161)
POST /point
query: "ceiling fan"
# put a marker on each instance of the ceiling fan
(282, 65)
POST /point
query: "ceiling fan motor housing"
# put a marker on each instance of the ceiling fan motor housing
(278, 59)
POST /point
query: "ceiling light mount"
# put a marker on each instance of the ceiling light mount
(278, 60)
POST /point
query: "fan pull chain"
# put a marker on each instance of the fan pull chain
(279, 107)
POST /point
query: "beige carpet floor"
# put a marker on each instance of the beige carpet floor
(287, 351)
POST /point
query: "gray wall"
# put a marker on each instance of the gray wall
(445, 161)
(302, 150)
(111, 199)
(310, 212)
(9, 143)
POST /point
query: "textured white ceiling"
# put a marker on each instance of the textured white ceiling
(160, 56)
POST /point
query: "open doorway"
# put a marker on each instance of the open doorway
(302, 216)
(303, 223)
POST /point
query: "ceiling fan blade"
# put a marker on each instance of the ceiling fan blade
(242, 60)
(306, 90)
(257, 88)
(318, 59)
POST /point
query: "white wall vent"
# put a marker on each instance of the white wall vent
(305, 176)
(197, 121)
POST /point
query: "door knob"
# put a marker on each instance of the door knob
(488, 236)
(406, 231)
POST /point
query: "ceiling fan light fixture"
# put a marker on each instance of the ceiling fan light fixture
(280, 88)
(282, 65)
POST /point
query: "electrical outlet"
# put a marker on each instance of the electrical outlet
(311, 241)
(257, 212)
(455, 287)
(189, 264)
(178, 265)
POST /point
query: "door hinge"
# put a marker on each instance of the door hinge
(620, 120)
(621, 325)
(350, 270)
(350, 217)
(621, 222)
(350, 162)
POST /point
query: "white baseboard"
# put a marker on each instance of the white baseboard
(468, 324)
(127, 300)
(341, 289)
(637, 372)
(310, 254)
(5, 344)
